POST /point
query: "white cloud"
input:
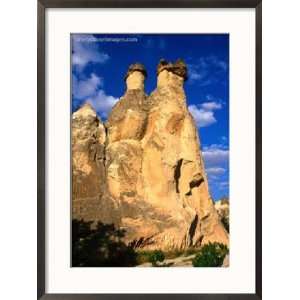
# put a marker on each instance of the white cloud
(223, 185)
(86, 50)
(215, 171)
(215, 146)
(218, 63)
(204, 114)
(215, 155)
(194, 73)
(86, 88)
(216, 160)
(211, 105)
(91, 90)
(201, 116)
(224, 138)
(102, 103)
(205, 70)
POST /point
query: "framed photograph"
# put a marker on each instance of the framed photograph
(149, 149)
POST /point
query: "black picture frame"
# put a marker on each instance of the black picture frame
(41, 148)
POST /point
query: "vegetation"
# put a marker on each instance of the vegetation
(147, 256)
(142, 257)
(176, 253)
(100, 246)
(156, 256)
(211, 255)
(150, 256)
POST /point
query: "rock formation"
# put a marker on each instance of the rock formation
(222, 208)
(90, 200)
(143, 170)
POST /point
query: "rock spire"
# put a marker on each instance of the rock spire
(143, 170)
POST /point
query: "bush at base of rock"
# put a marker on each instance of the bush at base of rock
(100, 245)
(150, 256)
(156, 256)
(211, 255)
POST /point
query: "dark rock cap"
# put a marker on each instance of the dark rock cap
(179, 67)
(136, 67)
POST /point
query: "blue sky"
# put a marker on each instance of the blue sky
(100, 61)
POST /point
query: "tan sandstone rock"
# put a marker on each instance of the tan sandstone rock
(147, 174)
(89, 197)
(222, 208)
(173, 174)
(88, 141)
(127, 119)
(125, 126)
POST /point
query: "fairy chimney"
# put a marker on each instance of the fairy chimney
(171, 74)
(135, 77)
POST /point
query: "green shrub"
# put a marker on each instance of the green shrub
(143, 257)
(210, 255)
(156, 256)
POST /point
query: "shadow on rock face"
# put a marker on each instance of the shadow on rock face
(100, 246)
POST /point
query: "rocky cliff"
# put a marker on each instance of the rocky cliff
(142, 170)
(222, 208)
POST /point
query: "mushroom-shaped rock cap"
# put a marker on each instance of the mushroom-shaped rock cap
(136, 67)
(179, 67)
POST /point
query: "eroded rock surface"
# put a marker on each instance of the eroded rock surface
(90, 200)
(144, 171)
(222, 208)
(88, 142)
(173, 174)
